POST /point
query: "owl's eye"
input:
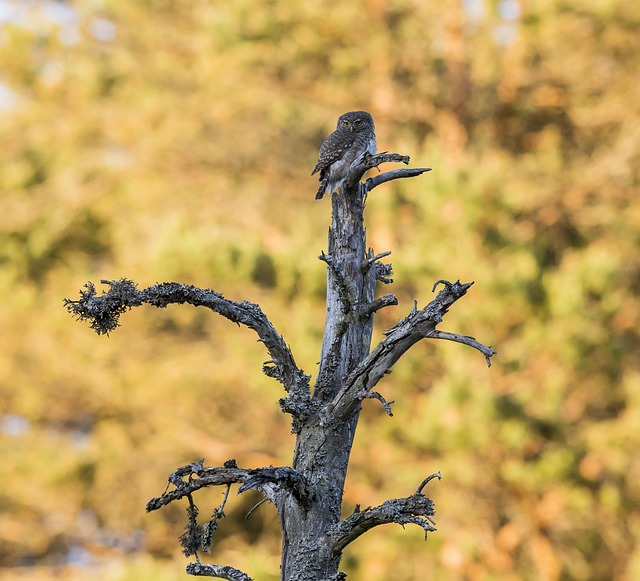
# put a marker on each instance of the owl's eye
(345, 123)
(359, 123)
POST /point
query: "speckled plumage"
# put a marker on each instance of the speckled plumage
(354, 135)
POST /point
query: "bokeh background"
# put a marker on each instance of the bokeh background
(173, 141)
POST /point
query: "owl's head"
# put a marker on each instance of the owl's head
(355, 122)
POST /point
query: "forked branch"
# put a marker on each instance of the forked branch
(419, 324)
(368, 161)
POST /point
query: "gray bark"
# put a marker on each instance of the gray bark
(324, 443)
(307, 495)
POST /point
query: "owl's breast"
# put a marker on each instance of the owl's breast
(339, 169)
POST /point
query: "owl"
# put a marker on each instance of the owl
(353, 136)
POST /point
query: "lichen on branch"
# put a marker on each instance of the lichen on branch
(416, 509)
(104, 311)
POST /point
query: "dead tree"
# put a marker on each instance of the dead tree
(308, 494)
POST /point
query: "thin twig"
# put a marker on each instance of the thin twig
(255, 506)
(486, 350)
(426, 481)
(375, 395)
(371, 260)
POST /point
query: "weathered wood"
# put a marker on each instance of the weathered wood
(307, 495)
(324, 445)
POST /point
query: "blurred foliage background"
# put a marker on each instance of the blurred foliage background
(174, 141)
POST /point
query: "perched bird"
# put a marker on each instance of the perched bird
(354, 135)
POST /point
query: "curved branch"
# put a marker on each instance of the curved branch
(375, 395)
(419, 324)
(368, 161)
(415, 509)
(426, 481)
(487, 351)
(103, 312)
(219, 571)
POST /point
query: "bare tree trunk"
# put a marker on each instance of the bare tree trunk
(307, 495)
(324, 445)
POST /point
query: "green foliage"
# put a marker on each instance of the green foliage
(180, 149)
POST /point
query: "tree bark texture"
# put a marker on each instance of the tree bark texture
(324, 444)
